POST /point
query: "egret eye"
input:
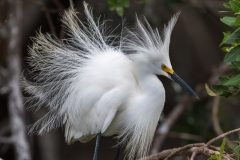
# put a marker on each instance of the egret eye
(166, 69)
(163, 66)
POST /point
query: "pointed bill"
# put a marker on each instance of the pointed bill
(177, 79)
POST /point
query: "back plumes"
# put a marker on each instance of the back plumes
(90, 86)
(56, 65)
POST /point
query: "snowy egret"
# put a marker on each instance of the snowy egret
(99, 84)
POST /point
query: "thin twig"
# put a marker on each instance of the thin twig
(71, 3)
(50, 23)
(193, 149)
(213, 140)
(63, 29)
(222, 136)
(170, 152)
(183, 148)
(59, 4)
(187, 151)
(47, 14)
(215, 119)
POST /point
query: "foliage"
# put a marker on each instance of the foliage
(219, 156)
(235, 149)
(118, 5)
(230, 84)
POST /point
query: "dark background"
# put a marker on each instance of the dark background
(195, 57)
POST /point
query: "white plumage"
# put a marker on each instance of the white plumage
(91, 85)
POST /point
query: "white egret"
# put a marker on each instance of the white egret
(99, 84)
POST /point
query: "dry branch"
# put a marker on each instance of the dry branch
(215, 119)
(191, 150)
(15, 105)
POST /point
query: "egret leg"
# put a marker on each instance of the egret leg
(95, 156)
(118, 153)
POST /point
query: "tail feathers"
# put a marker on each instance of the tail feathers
(51, 121)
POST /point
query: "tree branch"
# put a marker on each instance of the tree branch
(215, 119)
(15, 105)
(222, 136)
(193, 149)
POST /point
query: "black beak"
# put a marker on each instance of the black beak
(177, 79)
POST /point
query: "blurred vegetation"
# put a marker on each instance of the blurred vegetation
(118, 6)
(230, 84)
(220, 155)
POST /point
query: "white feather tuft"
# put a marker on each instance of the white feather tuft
(143, 39)
(55, 66)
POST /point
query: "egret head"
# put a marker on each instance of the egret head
(152, 50)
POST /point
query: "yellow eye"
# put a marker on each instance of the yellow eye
(166, 69)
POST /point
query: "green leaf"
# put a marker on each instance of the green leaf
(229, 149)
(230, 21)
(236, 148)
(112, 2)
(226, 35)
(233, 81)
(120, 11)
(227, 5)
(219, 156)
(209, 91)
(231, 38)
(232, 55)
(237, 22)
(235, 5)
(125, 3)
(227, 49)
(118, 5)
(224, 79)
(222, 147)
(222, 90)
(213, 157)
(225, 11)
(235, 65)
